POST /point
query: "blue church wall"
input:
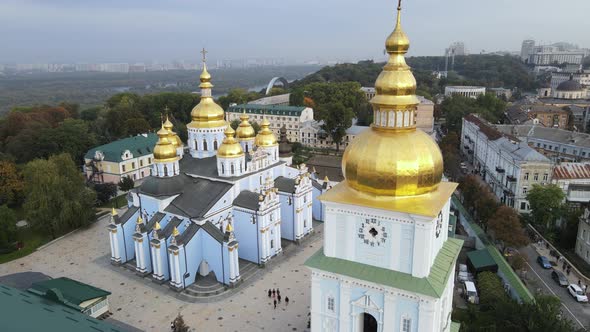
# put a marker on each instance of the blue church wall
(145, 247)
(128, 243)
(330, 288)
(121, 243)
(287, 212)
(181, 265)
(358, 292)
(163, 253)
(406, 308)
(317, 211)
(247, 235)
(216, 257)
(194, 255)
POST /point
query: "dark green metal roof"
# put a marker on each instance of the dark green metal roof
(433, 285)
(138, 145)
(72, 291)
(23, 311)
(267, 109)
(481, 259)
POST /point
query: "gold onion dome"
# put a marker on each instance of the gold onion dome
(207, 114)
(392, 158)
(164, 150)
(230, 148)
(245, 130)
(172, 136)
(265, 137)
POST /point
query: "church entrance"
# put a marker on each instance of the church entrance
(368, 323)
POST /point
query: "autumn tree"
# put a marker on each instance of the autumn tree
(486, 205)
(546, 204)
(180, 325)
(57, 199)
(470, 189)
(11, 183)
(506, 227)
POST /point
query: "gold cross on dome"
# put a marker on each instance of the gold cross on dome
(399, 4)
(204, 52)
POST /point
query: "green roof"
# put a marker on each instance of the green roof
(433, 285)
(481, 259)
(267, 109)
(67, 291)
(455, 327)
(22, 311)
(139, 145)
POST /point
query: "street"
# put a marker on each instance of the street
(540, 278)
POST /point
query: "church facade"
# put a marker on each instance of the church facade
(230, 198)
(387, 263)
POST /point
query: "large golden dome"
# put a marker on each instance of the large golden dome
(172, 136)
(207, 114)
(265, 137)
(245, 130)
(392, 158)
(164, 149)
(230, 148)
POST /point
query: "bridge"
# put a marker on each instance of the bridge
(272, 82)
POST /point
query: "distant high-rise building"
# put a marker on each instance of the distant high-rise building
(457, 48)
(526, 49)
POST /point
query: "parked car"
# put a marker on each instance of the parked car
(577, 293)
(470, 292)
(559, 278)
(544, 262)
(463, 274)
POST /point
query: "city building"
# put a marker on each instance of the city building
(556, 144)
(292, 117)
(187, 219)
(579, 117)
(501, 93)
(465, 91)
(526, 49)
(313, 135)
(23, 311)
(510, 166)
(278, 100)
(554, 55)
(583, 237)
(570, 89)
(73, 294)
(456, 48)
(574, 180)
(580, 76)
(387, 263)
(369, 92)
(131, 157)
(546, 115)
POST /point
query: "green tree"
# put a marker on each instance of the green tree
(105, 191)
(337, 119)
(491, 290)
(486, 206)
(238, 96)
(506, 227)
(11, 183)
(569, 230)
(470, 189)
(7, 226)
(180, 325)
(126, 183)
(57, 199)
(546, 204)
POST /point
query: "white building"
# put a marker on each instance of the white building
(549, 55)
(574, 180)
(583, 238)
(507, 164)
(526, 49)
(465, 91)
(387, 263)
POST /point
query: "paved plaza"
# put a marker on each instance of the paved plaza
(84, 255)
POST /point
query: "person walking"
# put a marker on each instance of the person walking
(286, 300)
(273, 293)
(275, 302)
(580, 283)
(269, 293)
(278, 292)
(279, 298)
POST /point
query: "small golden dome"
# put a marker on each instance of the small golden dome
(113, 212)
(230, 148)
(164, 149)
(139, 220)
(245, 130)
(172, 136)
(393, 158)
(175, 232)
(207, 114)
(229, 228)
(157, 226)
(265, 137)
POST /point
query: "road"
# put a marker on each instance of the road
(579, 313)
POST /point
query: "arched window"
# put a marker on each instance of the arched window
(165, 170)
(232, 168)
(204, 144)
(196, 145)
(241, 167)
(215, 145)
(222, 168)
(246, 147)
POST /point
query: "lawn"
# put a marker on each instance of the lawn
(116, 202)
(31, 241)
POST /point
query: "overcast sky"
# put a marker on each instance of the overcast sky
(163, 30)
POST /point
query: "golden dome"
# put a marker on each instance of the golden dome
(139, 220)
(175, 232)
(245, 130)
(265, 137)
(164, 149)
(392, 158)
(172, 136)
(230, 148)
(157, 226)
(207, 114)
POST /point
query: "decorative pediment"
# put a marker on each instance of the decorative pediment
(366, 303)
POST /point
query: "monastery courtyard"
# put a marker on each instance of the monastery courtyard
(84, 256)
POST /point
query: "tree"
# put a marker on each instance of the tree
(546, 204)
(126, 183)
(491, 290)
(486, 205)
(105, 191)
(470, 190)
(569, 230)
(57, 199)
(7, 226)
(337, 119)
(11, 183)
(506, 227)
(180, 325)
(238, 96)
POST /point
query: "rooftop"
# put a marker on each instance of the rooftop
(140, 145)
(548, 134)
(571, 171)
(22, 311)
(72, 291)
(267, 109)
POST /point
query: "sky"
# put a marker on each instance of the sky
(295, 30)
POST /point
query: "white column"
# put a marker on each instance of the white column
(389, 312)
(278, 236)
(344, 305)
(232, 272)
(316, 304)
(264, 245)
(426, 316)
(138, 256)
